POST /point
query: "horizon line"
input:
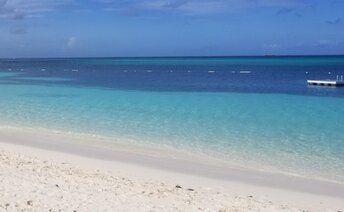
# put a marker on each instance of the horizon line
(193, 56)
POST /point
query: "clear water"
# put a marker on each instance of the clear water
(254, 111)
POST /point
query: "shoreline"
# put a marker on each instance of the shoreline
(310, 194)
(125, 145)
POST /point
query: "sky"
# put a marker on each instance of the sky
(134, 28)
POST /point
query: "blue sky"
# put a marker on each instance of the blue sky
(64, 28)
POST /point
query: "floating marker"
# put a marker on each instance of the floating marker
(211, 71)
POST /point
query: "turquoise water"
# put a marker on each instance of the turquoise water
(297, 134)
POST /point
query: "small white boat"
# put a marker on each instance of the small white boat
(335, 83)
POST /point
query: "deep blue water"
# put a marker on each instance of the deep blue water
(254, 111)
(224, 74)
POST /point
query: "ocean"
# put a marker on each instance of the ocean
(256, 112)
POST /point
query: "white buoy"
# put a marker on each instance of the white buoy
(306, 72)
(329, 72)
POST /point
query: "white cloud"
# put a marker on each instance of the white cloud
(272, 46)
(71, 42)
(200, 7)
(19, 9)
(187, 7)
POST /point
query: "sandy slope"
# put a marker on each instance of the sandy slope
(31, 184)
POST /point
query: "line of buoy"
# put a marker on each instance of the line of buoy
(149, 71)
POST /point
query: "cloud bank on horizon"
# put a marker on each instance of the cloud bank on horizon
(58, 28)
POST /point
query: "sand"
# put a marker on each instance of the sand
(46, 172)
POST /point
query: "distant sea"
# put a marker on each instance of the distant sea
(256, 112)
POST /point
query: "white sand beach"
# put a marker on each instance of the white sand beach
(52, 172)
